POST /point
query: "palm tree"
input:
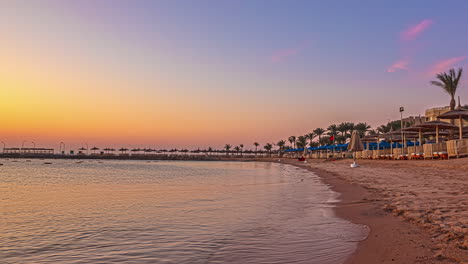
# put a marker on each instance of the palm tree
(340, 139)
(313, 144)
(343, 128)
(241, 148)
(319, 132)
(237, 149)
(256, 146)
(227, 147)
(362, 128)
(292, 140)
(374, 132)
(449, 82)
(281, 145)
(268, 148)
(332, 131)
(350, 127)
(210, 149)
(310, 137)
(301, 142)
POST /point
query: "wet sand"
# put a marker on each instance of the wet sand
(417, 210)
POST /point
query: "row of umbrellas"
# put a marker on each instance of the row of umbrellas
(430, 128)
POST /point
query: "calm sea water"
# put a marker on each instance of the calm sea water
(168, 212)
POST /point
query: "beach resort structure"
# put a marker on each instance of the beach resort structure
(433, 113)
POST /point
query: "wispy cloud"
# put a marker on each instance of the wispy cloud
(399, 65)
(415, 30)
(282, 55)
(408, 47)
(444, 65)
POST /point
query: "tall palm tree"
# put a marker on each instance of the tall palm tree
(281, 145)
(292, 140)
(237, 149)
(350, 127)
(340, 139)
(332, 131)
(256, 146)
(343, 128)
(319, 132)
(310, 137)
(210, 149)
(449, 82)
(268, 148)
(241, 148)
(362, 128)
(227, 147)
(301, 142)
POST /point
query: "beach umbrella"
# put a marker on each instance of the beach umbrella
(459, 114)
(419, 129)
(437, 124)
(94, 149)
(355, 144)
(370, 138)
(123, 150)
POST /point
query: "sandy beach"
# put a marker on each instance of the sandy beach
(417, 211)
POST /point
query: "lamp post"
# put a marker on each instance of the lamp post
(34, 147)
(62, 144)
(402, 109)
(86, 144)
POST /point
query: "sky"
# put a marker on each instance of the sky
(172, 73)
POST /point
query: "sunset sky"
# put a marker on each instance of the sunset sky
(171, 73)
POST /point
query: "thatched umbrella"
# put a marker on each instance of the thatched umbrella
(437, 124)
(94, 149)
(123, 150)
(459, 114)
(419, 129)
(355, 144)
(370, 138)
(135, 150)
(395, 136)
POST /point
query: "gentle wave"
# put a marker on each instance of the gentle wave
(169, 212)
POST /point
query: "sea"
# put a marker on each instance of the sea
(104, 211)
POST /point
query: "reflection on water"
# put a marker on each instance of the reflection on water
(168, 212)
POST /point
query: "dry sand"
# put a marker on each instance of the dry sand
(417, 210)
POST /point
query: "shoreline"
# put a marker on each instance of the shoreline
(381, 195)
(392, 239)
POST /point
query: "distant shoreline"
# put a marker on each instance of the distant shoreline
(137, 157)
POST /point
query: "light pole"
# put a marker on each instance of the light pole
(62, 144)
(402, 109)
(86, 148)
(34, 147)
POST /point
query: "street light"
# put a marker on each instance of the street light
(62, 151)
(402, 109)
